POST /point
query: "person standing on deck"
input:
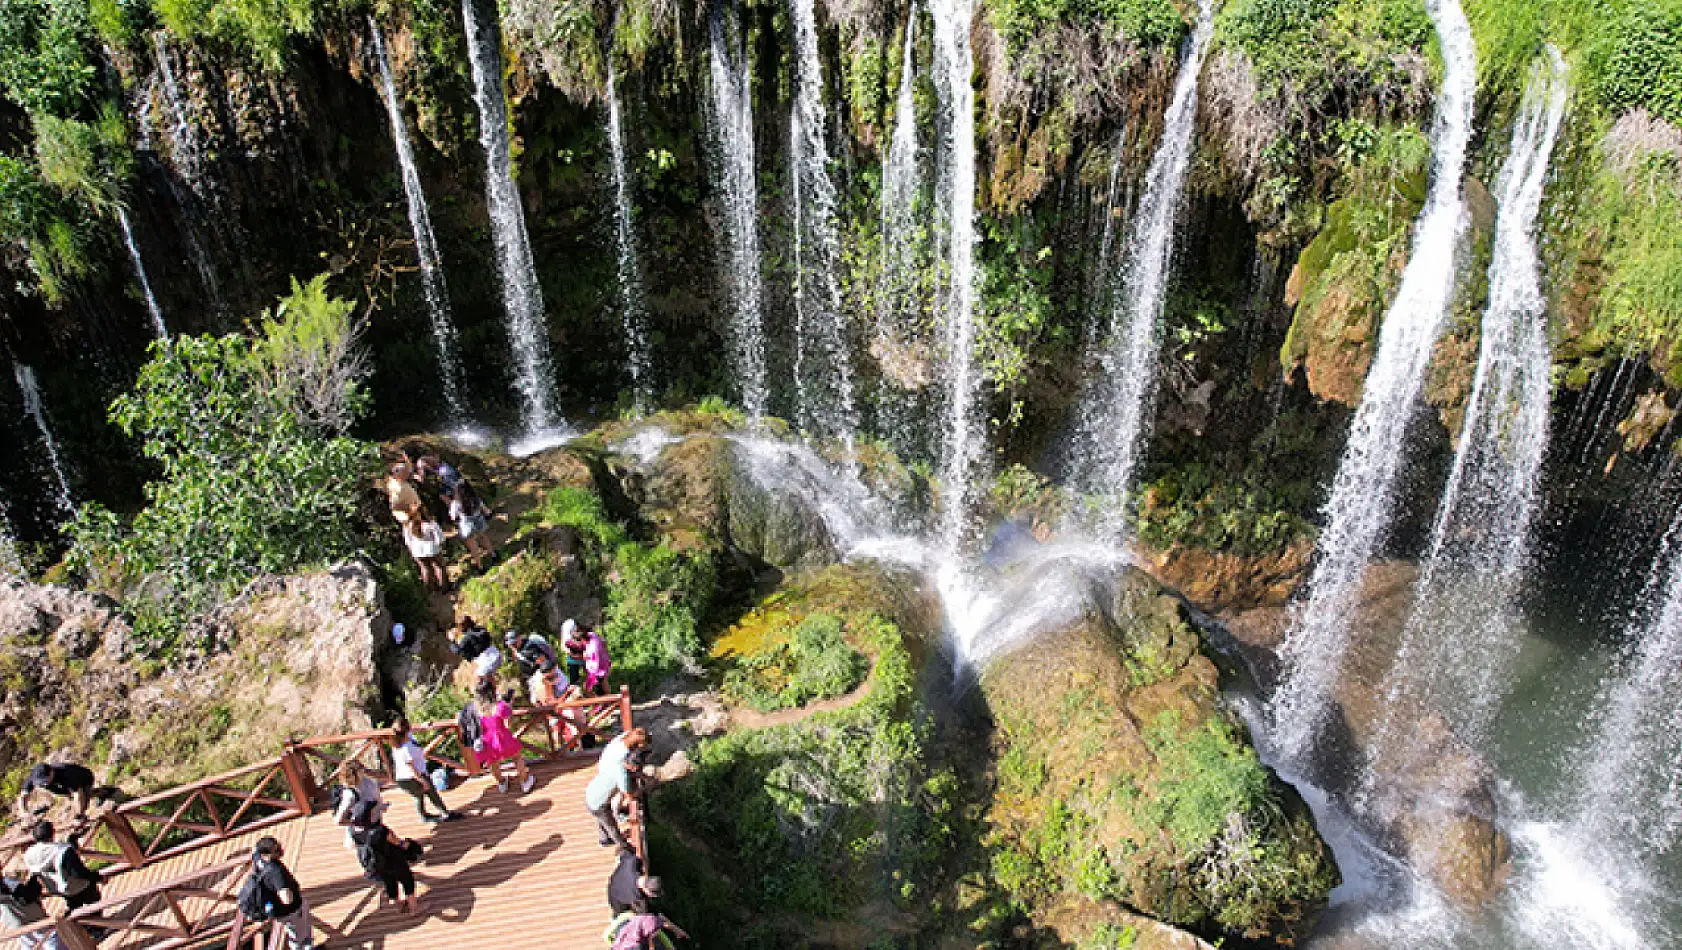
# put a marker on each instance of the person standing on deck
(612, 786)
(591, 651)
(628, 884)
(20, 907)
(499, 740)
(60, 866)
(287, 904)
(408, 768)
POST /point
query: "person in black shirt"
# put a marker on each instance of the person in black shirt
(628, 884)
(63, 780)
(287, 905)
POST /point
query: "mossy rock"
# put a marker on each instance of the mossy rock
(1120, 779)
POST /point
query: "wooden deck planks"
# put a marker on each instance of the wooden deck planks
(518, 871)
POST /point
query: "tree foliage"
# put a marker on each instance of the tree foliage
(250, 481)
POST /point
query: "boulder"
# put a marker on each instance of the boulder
(1122, 780)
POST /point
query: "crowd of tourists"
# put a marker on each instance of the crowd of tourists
(457, 502)
(554, 677)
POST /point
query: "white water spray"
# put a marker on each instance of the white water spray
(426, 243)
(25, 376)
(633, 312)
(1358, 512)
(823, 373)
(152, 307)
(731, 101)
(961, 449)
(522, 297)
(1463, 633)
(1116, 409)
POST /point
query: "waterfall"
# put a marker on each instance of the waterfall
(1462, 635)
(1102, 290)
(732, 126)
(1115, 411)
(521, 295)
(823, 373)
(898, 344)
(25, 376)
(140, 274)
(188, 157)
(426, 243)
(1358, 511)
(1596, 877)
(961, 449)
(633, 313)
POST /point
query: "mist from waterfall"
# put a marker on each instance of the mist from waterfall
(522, 296)
(730, 98)
(633, 309)
(1463, 633)
(962, 447)
(152, 308)
(1358, 512)
(1114, 414)
(900, 345)
(823, 370)
(31, 390)
(433, 285)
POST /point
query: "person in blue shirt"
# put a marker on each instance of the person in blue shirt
(612, 788)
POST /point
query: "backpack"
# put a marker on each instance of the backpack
(254, 898)
(20, 896)
(472, 731)
(343, 803)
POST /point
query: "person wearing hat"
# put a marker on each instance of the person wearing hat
(629, 884)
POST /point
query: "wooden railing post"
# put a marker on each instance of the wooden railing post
(73, 936)
(299, 778)
(128, 842)
(625, 708)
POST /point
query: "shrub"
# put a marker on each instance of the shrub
(1635, 59)
(247, 487)
(814, 662)
(510, 596)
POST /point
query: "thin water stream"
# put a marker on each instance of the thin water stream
(152, 308)
(633, 310)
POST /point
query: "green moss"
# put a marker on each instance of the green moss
(810, 661)
(510, 596)
(1201, 506)
(1144, 22)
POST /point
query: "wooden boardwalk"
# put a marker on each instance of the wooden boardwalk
(517, 871)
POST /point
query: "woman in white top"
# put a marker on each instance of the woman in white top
(363, 788)
(426, 545)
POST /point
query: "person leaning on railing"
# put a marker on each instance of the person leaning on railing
(612, 786)
(59, 865)
(283, 900)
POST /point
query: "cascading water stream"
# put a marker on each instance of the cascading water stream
(898, 344)
(433, 285)
(25, 376)
(1463, 633)
(152, 307)
(522, 296)
(188, 156)
(961, 448)
(1115, 411)
(823, 373)
(633, 313)
(1358, 511)
(731, 114)
(1592, 880)
(1101, 293)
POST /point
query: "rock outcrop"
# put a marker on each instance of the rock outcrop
(1121, 779)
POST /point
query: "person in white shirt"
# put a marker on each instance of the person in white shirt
(408, 768)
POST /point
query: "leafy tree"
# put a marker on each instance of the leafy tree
(253, 479)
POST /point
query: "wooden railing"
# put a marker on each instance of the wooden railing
(196, 907)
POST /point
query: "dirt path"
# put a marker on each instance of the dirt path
(748, 718)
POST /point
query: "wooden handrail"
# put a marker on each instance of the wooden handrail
(136, 849)
(161, 899)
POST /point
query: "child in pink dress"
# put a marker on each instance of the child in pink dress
(500, 741)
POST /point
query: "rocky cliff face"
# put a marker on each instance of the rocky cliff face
(290, 657)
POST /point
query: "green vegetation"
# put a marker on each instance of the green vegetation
(812, 662)
(1199, 506)
(821, 815)
(1144, 22)
(250, 483)
(511, 595)
(657, 596)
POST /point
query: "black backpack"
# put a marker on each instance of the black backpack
(19, 896)
(471, 729)
(340, 794)
(254, 898)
